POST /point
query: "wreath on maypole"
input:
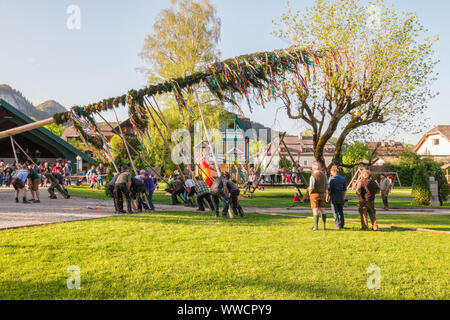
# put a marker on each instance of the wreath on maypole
(90, 134)
(256, 78)
(138, 117)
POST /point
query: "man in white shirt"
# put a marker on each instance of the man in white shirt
(188, 185)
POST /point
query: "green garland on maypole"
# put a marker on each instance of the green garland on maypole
(259, 77)
(224, 79)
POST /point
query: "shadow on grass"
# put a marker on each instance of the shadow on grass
(256, 220)
(259, 287)
(432, 222)
(191, 218)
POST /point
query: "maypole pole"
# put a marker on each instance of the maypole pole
(207, 133)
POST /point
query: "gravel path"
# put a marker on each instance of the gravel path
(49, 211)
(14, 215)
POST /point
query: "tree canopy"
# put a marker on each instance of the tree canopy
(386, 66)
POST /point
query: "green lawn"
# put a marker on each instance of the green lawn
(195, 256)
(274, 197)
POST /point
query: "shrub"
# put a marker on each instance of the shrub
(420, 186)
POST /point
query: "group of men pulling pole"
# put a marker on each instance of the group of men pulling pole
(123, 186)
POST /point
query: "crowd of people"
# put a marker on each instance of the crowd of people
(30, 177)
(138, 190)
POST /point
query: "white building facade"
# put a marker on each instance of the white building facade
(436, 144)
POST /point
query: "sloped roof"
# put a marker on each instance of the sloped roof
(444, 130)
(48, 134)
(387, 149)
(70, 132)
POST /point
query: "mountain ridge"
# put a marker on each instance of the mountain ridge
(40, 112)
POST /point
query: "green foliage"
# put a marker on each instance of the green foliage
(421, 188)
(156, 152)
(119, 147)
(355, 153)
(255, 146)
(77, 144)
(285, 163)
(387, 80)
(406, 166)
(55, 128)
(184, 40)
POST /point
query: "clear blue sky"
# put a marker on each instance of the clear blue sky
(42, 58)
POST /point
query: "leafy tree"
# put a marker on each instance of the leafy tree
(383, 67)
(285, 163)
(55, 129)
(356, 153)
(409, 159)
(184, 40)
(156, 151)
(77, 144)
(308, 133)
(119, 149)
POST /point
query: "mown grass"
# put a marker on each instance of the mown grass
(195, 256)
(274, 197)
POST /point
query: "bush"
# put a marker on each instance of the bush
(420, 186)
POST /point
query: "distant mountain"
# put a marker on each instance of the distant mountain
(17, 100)
(51, 107)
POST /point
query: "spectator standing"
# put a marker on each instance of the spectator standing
(318, 192)
(337, 190)
(367, 189)
(58, 168)
(385, 186)
(101, 172)
(2, 168)
(93, 180)
(68, 174)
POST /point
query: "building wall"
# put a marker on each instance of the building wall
(427, 148)
(306, 162)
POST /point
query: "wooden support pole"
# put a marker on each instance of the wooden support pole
(134, 150)
(25, 128)
(124, 142)
(166, 125)
(162, 136)
(14, 149)
(29, 158)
